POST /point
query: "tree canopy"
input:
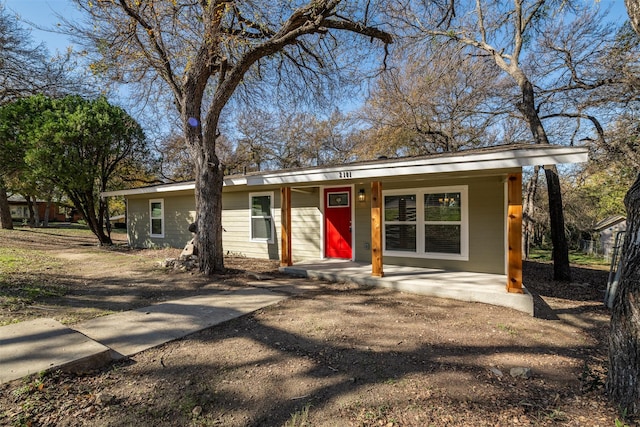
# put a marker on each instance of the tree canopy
(26, 69)
(205, 53)
(78, 145)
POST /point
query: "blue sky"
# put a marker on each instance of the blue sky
(42, 13)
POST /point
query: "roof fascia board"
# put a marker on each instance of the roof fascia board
(150, 190)
(442, 164)
(235, 180)
(504, 160)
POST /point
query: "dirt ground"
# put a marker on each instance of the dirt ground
(336, 355)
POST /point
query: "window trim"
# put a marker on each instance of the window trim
(420, 223)
(151, 217)
(272, 217)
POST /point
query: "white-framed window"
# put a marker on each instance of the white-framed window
(156, 217)
(427, 223)
(261, 207)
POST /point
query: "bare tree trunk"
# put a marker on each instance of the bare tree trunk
(97, 220)
(209, 179)
(6, 222)
(561, 268)
(36, 212)
(84, 203)
(560, 252)
(623, 381)
(527, 215)
(107, 220)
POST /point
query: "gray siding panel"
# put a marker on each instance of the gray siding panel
(179, 212)
(486, 226)
(362, 221)
(306, 228)
(236, 238)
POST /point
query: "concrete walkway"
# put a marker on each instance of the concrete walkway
(45, 344)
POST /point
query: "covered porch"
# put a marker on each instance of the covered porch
(462, 286)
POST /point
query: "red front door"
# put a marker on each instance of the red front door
(337, 222)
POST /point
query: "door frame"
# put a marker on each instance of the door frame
(323, 209)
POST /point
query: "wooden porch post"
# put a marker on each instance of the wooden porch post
(376, 229)
(286, 258)
(514, 233)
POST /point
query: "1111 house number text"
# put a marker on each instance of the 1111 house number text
(344, 174)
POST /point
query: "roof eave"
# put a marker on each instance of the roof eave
(464, 163)
(164, 188)
(390, 168)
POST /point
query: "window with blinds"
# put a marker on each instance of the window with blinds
(426, 222)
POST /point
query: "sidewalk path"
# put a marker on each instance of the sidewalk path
(45, 344)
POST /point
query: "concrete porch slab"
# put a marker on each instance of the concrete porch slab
(462, 286)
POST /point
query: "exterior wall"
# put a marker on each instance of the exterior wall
(236, 218)
(20, 211)
(486, 210)
(179, 212)
(608, 238)
(305, 223)
(486, 221)
(362, 221)
(306, 220)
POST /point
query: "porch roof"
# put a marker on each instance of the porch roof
(487, 158)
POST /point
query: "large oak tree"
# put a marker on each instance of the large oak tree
(500, 31)
(203, 51)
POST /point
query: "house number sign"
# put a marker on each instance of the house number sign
(346, 174)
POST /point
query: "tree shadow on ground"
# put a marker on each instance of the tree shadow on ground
(334, 366)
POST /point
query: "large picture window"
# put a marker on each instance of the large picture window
(261, 217)
(156, 216)
(426, 222)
